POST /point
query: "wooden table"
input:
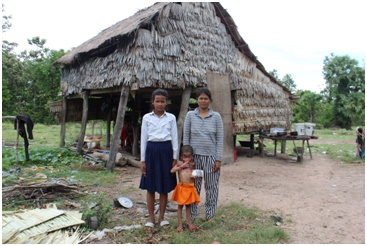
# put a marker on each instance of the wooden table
(293, 139)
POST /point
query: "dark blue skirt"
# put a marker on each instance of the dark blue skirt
(159, 158)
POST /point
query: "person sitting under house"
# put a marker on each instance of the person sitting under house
(126, 136)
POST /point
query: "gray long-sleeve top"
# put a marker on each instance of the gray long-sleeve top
(204, 135)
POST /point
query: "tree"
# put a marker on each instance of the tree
(11, 72)
(307, 107)
(274, 73)
(6, 20)
(344, 89)
(288, 82)
(41, 80)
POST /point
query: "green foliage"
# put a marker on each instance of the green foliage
(345, 89)
(288, 82)
(41, 81)
(324, 115)
(274, 73)
(307, 107)
(39, 157)
(6, 20)
(102, 210)
(11, 79)
(29, 79)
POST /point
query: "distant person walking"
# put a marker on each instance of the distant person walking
(203, 130)
(159, 151)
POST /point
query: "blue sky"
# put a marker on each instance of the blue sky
(292, 37)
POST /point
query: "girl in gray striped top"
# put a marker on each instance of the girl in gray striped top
(203, 130)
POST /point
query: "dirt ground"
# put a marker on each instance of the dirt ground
(321, 201)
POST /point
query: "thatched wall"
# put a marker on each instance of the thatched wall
(174, 47)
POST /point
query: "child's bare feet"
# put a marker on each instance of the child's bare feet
(192, 227)
(179, 229)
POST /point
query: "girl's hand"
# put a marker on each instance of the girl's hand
(174, 163)
(144, 168)
(216, 166)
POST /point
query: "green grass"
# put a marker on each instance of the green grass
(233, 224)
(49, 135)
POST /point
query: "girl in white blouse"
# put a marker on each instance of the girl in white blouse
(159, 150)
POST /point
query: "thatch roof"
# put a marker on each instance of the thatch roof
(114, 34)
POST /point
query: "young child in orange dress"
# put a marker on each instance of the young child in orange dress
(185, 192)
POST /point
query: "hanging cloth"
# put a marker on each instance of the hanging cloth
(23, 121)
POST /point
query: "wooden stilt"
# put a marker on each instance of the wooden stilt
(63, 123)
(85, 96)
(108, 129)
(183, 111)
(118, 127)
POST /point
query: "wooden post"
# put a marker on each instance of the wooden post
(283, 145)
(183, 111)
(108, 129)
(63, 122)
(17, 141)
(252, 141)
(136, 125)
(17, 145)
(85, 96)
(118, 127)
(93, 123)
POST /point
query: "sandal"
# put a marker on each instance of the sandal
(192, 227)
(149, 224)
(179, 229)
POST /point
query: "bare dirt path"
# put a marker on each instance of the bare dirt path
(320, 200)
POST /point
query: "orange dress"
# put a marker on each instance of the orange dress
(185, 194)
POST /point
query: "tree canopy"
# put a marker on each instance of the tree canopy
(345, 89)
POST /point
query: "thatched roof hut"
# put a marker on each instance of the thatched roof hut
(175, 45)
